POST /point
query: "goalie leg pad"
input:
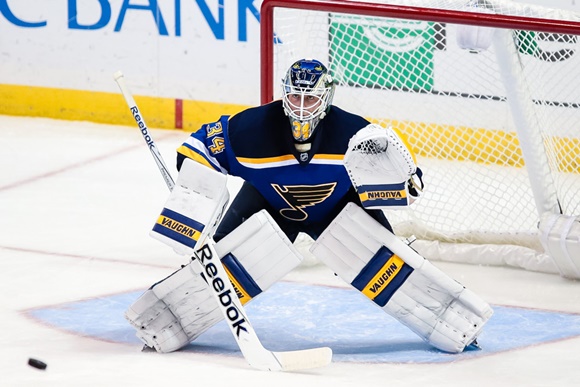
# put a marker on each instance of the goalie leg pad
(179, 308)
(158, 315)
(400, 281)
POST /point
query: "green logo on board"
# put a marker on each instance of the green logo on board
(379, 52)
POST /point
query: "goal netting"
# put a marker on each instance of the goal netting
(496, 127)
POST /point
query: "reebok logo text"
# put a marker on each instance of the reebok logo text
(141, 124)
(236, 320)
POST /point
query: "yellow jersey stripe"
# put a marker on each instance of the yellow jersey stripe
(194, 156)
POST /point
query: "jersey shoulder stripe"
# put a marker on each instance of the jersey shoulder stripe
(267, 162)
(328, 159)
(199, 154)
(286, 160)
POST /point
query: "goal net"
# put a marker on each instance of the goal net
(486, 92)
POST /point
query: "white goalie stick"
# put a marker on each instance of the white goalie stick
(220, 286)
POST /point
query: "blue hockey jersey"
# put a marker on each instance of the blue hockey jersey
(257, 145)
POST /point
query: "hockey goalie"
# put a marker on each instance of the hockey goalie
(308, 167)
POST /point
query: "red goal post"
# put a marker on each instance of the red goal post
(496, 129)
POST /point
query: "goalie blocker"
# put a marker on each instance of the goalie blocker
(404, 284)
(193, 207)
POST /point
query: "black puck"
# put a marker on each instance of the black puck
(37, 364)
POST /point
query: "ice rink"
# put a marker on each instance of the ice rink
(77, 201)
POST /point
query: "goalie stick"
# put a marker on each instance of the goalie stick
(218, 281)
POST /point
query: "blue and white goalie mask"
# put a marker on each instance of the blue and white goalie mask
(307, 89)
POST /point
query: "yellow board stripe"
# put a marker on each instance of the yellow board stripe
(486, 146)
(80, 105)
(445, 142)
(383, 277)
(107, 108)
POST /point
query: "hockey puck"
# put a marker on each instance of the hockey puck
(37, 364)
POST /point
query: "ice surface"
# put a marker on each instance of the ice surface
(77, 201)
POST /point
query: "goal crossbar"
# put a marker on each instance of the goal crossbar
(389, 10)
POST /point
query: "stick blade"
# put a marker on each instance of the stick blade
(265, 360)
(304, 359)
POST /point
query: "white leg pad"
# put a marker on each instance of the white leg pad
(165, 315)
(400, 281)
(178, 309)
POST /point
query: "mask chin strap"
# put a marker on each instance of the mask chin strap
(303, 147)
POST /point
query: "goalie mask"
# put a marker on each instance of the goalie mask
(307, 95)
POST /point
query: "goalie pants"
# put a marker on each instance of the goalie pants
(249, 201)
